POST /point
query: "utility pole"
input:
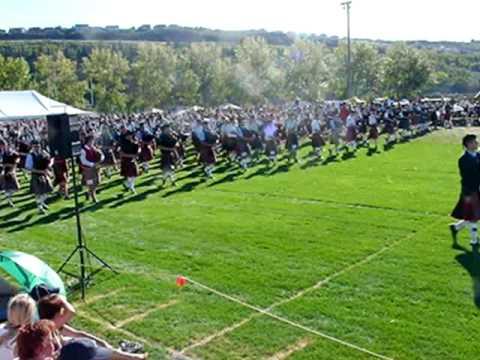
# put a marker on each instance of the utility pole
(346, 6)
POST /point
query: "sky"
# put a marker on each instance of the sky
(432, 20)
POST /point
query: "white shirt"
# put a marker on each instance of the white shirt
(372, 120)
(85, 162)
(351, 121)
(316, 126)
(6, 348)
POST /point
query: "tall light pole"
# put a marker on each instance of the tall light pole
(346, 5)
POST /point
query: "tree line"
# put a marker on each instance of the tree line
(114, 77)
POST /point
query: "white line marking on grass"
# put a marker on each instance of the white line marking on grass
(289, 322)
(97, 298)
(321, 283)
(298, 346)
(145, 314)
(333, 202)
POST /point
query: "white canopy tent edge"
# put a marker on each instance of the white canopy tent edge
(29, 105)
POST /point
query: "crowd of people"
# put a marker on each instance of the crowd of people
(38, 329)
(129, 143)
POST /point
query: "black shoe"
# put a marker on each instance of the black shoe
(454, 232)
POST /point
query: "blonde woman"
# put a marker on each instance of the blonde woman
(21, 311)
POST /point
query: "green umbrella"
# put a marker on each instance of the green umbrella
(29, 270)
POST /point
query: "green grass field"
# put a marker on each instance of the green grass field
(358, 250)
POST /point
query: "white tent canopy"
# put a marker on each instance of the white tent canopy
(29, 104)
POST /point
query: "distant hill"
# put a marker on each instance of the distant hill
(182, 34)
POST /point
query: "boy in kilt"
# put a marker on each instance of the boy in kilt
(39, 162)
(467, 210)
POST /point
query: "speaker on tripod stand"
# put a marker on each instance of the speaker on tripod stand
(64, 141)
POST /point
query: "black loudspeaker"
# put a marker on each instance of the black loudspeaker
(63, 135)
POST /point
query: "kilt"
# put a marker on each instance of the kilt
(146, 153)
(128, 167)
(351, 134)
(292, 141)
(207, 155)
(110, 158)
(90, 176)
(229, 144)
(168, 160)
(255, 142)
(317, 140)
(60, 172)
(373, 133)
(40, 184)
(270, 147)
(389, 129)
(242, 148)
(467, 211)
(9, 182)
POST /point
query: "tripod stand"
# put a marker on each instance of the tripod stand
(84, 252)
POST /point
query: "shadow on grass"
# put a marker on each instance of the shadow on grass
(470, 260)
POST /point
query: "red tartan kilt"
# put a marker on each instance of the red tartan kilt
(467, 211)
(60, 173)
(373, 133)
(128, 168)
(207, 155)
(146, 153)
(351, 134)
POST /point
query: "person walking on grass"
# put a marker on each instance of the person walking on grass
(467, 210)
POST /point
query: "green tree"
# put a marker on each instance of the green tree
(307, 71)
(153, 76)
(367, 71)
(257, 72)
(14, 74)
(56, 77)
(107, 71)
(187, 84)
(407, 71)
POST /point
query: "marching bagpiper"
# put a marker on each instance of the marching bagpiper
(467, 210)
(8, 180)
(292, 144)
(90, 159)
(373, 133)
(167, 144)
(147, 148)
(60, 175)
(318, 142)
(129, 151)
(207, 142)
(270, 130)
(351, 136)
(38, 163)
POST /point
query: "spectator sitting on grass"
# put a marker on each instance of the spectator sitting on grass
(60, 312)
(21, 310)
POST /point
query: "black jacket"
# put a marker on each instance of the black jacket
(470, 173)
